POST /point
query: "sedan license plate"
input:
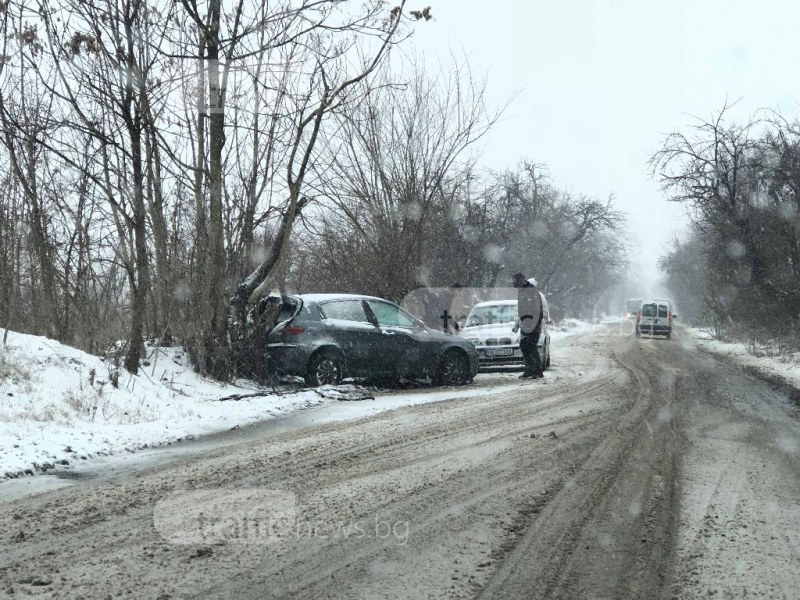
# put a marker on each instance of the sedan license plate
(500, 352)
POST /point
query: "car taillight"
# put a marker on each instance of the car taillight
(292, 330)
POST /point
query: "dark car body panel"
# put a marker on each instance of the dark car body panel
(400, 346)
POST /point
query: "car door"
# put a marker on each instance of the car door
(359, 339)
(647, 316)
(403, 349)
(662, 318)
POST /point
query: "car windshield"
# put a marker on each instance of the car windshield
(492, 314)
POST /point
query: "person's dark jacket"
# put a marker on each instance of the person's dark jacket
(530, 310)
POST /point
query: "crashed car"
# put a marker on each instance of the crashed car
(325, 338)
(492, 328)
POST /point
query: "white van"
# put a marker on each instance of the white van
(655, 318)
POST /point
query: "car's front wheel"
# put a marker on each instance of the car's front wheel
(453, 369)
(326, 367)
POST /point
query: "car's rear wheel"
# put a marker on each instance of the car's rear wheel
(326, 367)
(453, 369)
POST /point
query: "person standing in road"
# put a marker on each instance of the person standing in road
(447, 307)
(530, 313)
(426, 306)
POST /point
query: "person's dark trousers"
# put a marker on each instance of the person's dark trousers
(530, 354)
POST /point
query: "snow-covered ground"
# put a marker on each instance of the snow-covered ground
(574, 327)
(58, 404)
(784, 366)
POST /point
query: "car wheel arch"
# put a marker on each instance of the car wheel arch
(323, 348)
(452, 348)
(326, 347)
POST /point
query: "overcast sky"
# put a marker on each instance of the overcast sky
(599, 83)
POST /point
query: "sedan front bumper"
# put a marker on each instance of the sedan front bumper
(489, 356)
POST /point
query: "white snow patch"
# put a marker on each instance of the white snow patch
(58, 403)
(785, 366)
(573, 327)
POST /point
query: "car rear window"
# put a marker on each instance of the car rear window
(662, 310)
(344, 310)
(649, 310)
(289, 308)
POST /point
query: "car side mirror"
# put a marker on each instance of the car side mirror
(674, 316)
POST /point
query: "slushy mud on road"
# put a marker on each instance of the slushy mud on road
(641, 469)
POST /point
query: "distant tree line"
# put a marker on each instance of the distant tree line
(476, 230)
(737, 270)
(167, 165)
(404, 205)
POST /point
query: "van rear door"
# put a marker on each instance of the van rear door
(648, 315)
(655, 318)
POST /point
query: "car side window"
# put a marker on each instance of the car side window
(344, 310)
(389, 315)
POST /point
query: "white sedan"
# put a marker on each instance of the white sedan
(490, 327)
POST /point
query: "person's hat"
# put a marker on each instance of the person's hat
(532, 281)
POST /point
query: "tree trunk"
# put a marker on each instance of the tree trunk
(163, 296)
(216, 333)
(258, 283)
(140, 277)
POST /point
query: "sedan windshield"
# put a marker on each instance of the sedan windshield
(488, 315)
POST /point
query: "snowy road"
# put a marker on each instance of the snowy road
(643, 469)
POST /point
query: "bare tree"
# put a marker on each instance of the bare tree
(715, 171)
(395, 164)
(739, 183)
(321, 52)
(23, 112)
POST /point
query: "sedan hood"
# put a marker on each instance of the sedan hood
(495, 330)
